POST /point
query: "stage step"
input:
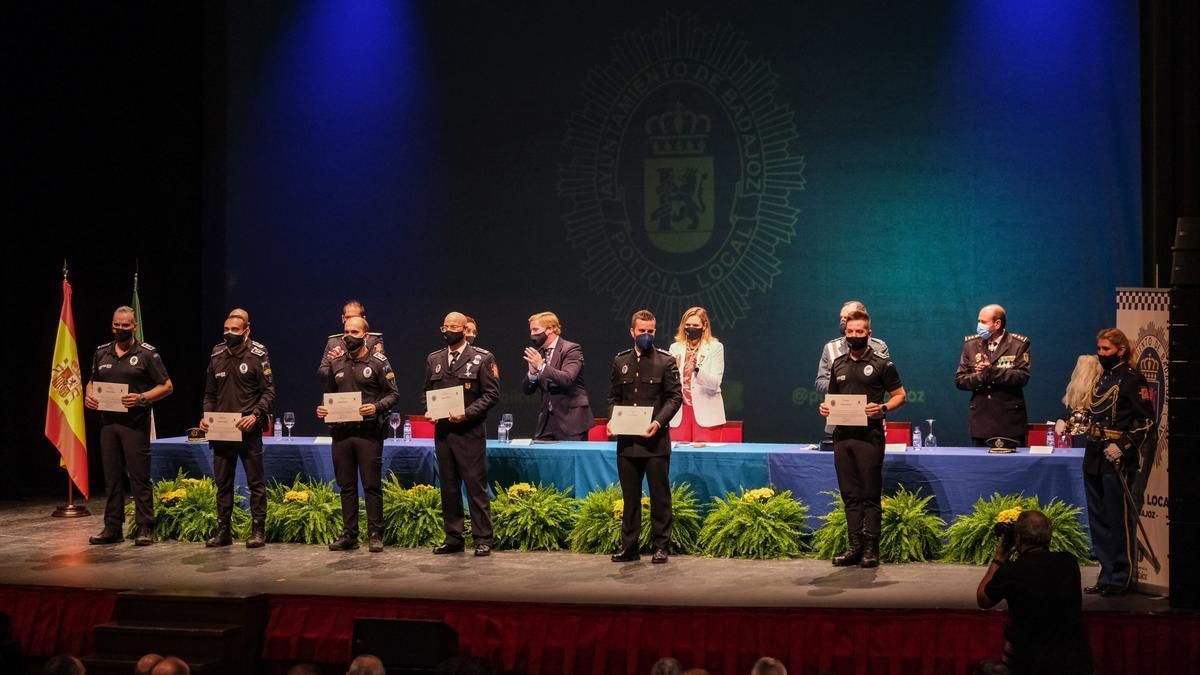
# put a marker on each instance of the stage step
(218, 633)
(116, 664)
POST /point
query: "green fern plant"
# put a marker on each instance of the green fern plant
(186, 509)
(532, 518)
(598, 529)
(412, 517)
(303, 512)
(760, 524)
(970, 538)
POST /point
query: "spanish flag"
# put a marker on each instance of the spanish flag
(64, 407)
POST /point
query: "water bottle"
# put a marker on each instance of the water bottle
(407, 430)
(278, 428)
(502, 433)
(1051, 437)
(916, 437)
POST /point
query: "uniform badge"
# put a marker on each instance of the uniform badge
(495, 371)
(133, 360)
(367, 372)
(478, 359)
(467, 372)
(625, 369)
(438, 369)
(467, 386)
(978, 357)
(243, 368)
(868, 370)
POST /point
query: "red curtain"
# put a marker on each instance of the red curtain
(51, 620)
(627, 640)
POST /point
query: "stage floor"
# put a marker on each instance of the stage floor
(36, 549)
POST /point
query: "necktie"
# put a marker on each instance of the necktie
(454, 358)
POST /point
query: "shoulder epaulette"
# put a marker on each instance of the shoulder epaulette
(375, 334)
(481, 350)
(218, 348)
(258, 352)
(435, 352)
(380, 356)
(972, 337)
(337, 335)
(625, 352)
(1018, 336)
(103, 346)
(258, 344)
(663, 351)
(147, 345)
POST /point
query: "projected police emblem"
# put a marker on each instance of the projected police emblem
(681, 181)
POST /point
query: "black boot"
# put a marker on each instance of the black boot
(107, 536)
(258, 535)
(221, 537)
(375, 543)
(870, 555)
(348, 542)
(852, 555)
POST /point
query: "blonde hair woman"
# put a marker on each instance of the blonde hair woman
(701, 359)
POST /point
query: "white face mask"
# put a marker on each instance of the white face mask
(983, 331)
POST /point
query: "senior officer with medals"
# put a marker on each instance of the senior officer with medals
(460, 440)
(645, 376)
(994, 367)
(1117, 420)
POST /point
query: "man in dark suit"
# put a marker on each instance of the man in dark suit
(645, 376)
(994, 367)
(556, 369)
(460, 441)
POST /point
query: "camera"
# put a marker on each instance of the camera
(1006, 532)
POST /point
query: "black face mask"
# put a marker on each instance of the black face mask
(232, 340)
(123, 334)
(453, 337)
(693, 333)
(1110, 360)
(857, 343)
(538, 340)
(353, 344)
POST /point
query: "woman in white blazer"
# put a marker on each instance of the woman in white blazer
(701, 359)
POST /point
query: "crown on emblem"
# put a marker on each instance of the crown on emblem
(1149, 367)
(678, 132)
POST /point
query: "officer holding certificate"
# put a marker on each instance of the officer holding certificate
(459, 437)
(857, 449)
(358, 445)
(645, 377)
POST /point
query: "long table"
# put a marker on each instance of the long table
(956, 477)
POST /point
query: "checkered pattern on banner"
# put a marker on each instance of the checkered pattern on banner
(1145, 300)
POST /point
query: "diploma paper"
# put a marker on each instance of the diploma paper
(442, 403)
(222, 426)
(109, 395)
(631, 420)
(343, 407)
(847, 410)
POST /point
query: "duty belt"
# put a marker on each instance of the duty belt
(1099, 433)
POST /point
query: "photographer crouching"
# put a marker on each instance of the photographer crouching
(1045, 632)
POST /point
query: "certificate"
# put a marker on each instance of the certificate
(847, 410)
(222, 426)
(631, 420)
(109, 395)
(442, 403)
(343, 407)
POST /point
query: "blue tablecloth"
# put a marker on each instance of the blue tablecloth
(956, 477)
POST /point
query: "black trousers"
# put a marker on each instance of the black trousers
(656, 470)
(358, 453)
(1112, 523)
(125, 450)
(225, 459)
(859, 466)
(462, 460)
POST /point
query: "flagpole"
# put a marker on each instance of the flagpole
(70, 509)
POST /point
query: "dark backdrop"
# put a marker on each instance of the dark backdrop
(433, 156)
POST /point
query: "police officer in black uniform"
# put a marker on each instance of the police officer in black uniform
(358, 446)
(858, 451)
(461, 441)
(1121, 413)
(335, 345)
(239, 380)
(994, 367)
(645, 376)
(125, 436)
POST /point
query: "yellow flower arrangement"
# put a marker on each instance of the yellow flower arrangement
(645, 502)
(173, 495)
(421, 487)
(883, 503)
(518, 490)
(761, 495)
(618, 509)
(1008, 515)
(191, 482)
(295, 496)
